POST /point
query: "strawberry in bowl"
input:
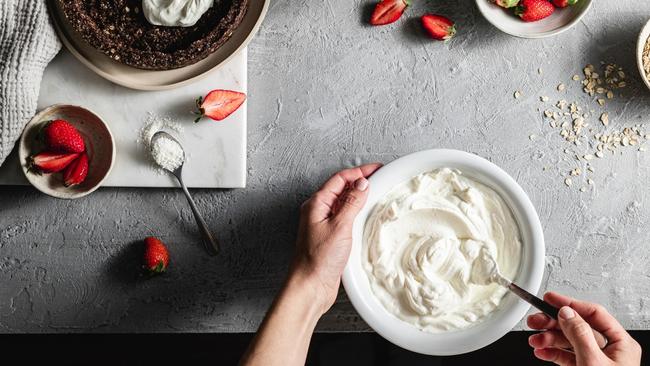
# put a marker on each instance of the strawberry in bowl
(66, 151)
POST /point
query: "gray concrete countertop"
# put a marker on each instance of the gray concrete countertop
(327, 91)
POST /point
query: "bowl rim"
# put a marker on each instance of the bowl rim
(509, 313)
(77, 48)
(554, 32)
(640, 45)
(38, 118)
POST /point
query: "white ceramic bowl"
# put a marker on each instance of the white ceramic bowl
(511, 310)
(508, 22)
(100, 147)
(640, 44)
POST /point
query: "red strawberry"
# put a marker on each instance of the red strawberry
(506, 3)
(61, 136)
(76, 171)
(564, 3)
(534, 10)
(156, 257)
(388, 11)
(438, 26)
(219, 104)
(50, 162)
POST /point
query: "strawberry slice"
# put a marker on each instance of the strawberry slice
(51, 162)
(388, 11)
(76, 171)
(219, 104)
(438, 27)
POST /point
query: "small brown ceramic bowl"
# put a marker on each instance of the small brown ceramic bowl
(100, 147)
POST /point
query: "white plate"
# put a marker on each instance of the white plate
(511, 311)
(508, 22)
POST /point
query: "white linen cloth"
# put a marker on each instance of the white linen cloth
(28, 43)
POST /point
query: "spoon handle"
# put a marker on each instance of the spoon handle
(551, 311)
(209, 242)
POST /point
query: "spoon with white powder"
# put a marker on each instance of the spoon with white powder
(168, 153)
(488, 269)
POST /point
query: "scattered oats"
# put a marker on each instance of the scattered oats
(599, 154)
(601, 101)
(588, 157)
(583, 189)
(561, 87)
(540, 71)
(576, 77)
(642, 149)
(590, 181)
(568, 182)
(604, 118)
(610, 95)
(576, 172)
(548, 113)
(532, 137)
(543, 98)
(517, 94)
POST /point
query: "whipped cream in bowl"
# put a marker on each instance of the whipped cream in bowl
(439, 230)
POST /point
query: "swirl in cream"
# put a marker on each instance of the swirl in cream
(175, 13)
(430, 247)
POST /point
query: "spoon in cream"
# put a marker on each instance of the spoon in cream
(168, 153)
(490, 270)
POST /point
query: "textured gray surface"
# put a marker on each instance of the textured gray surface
(327, 91)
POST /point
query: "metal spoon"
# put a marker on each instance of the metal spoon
(545, 307)
(209, 242)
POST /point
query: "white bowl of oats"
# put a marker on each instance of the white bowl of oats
(643, 54)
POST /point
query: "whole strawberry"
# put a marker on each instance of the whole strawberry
(60, 136)
(506, 3)
(156, 257)
(534, 10)
(564, 3)
(438, 27)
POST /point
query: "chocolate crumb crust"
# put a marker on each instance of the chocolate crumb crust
(119, 29)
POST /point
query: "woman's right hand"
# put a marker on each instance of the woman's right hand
(573, 329)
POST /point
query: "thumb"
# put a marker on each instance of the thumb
(352, 200)
(580, 335)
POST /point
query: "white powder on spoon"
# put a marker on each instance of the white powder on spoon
(153, 124)
(167, 153)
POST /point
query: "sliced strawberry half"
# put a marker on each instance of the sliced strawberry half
(51, 162)
(388, 11)
(438, 26)
(76, 171)
(219, 104)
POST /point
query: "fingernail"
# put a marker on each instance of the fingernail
(361, 184)
(531, 339)
(567, 313)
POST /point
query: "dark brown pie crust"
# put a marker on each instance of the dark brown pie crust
(119, 29)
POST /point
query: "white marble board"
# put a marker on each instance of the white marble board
(216, 151)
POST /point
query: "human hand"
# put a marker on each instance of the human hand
(573, 329)
(325, 231)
